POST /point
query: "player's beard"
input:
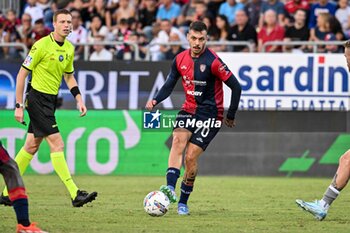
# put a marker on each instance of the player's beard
(196, 50)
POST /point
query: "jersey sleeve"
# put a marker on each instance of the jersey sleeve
(220, 69)
(70, 67)
(169, 84)
(34, 56)
(236, 91)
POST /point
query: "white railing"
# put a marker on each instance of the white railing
(314, 44)
(109, 43)
(249, 45)
(10, 4)
(87, 45)
(15, 44)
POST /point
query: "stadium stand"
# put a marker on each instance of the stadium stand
(116, 20)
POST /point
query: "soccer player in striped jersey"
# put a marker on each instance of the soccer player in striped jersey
(202, 73)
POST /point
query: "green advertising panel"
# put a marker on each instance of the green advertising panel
(103, 142)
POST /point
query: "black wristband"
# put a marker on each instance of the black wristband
(75, 91)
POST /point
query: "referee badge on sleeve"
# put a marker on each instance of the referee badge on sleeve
(27, 61)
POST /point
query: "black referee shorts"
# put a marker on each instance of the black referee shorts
(41, 108)
(201, 135)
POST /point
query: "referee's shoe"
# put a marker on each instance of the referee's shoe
(83, 197)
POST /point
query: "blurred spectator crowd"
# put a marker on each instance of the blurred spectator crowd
(151, 25)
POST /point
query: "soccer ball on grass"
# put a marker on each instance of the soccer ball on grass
(156, 203)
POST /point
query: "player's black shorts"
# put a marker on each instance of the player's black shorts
(41, 108)
(203, 129)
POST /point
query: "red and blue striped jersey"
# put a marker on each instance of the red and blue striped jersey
(202, 81)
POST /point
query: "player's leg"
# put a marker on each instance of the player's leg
(180, 140)
(319, 208)
(14, 182)
(23, 158)
(191, 167)
(25, 155)
(79, 197)
(342, 175)
(199, 141)
(17, 193)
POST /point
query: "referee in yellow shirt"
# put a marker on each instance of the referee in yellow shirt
(49, 59)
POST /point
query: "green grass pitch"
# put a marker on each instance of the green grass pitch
(218, 204)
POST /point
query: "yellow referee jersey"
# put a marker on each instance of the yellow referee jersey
(48, 61)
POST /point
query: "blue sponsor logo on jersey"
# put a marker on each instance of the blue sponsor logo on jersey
(60, 58)
(151, 120)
